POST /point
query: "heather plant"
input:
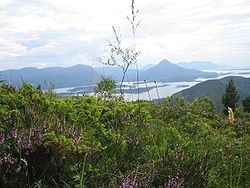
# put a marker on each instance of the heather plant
(40, 184)
(48, 141)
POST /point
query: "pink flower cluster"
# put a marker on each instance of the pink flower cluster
(130, 183)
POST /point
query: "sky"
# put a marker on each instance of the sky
(45, 33)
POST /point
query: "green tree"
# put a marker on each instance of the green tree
(106, 87)
(246, 104)
(231, 97)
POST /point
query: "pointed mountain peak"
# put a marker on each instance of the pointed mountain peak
(165, 61)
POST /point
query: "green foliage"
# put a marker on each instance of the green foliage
(48, 141)
(231, 97)
(246, 104)
(106, 88)
(40, 184)
(214, 89)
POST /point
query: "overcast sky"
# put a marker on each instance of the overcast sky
(45, 33)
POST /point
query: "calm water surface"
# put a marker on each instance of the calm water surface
(164, 89)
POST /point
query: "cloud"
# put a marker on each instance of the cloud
(63, 33)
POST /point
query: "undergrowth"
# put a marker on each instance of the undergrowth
(47, 141)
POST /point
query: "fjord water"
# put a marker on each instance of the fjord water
(165, 89)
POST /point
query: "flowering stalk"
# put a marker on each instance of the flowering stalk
(230, 116)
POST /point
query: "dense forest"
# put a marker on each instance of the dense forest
(49, 141)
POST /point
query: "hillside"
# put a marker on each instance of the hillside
(57, 76)
(216, 88)
(50, 141)
(169, 72)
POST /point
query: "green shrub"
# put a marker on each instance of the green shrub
(48, 141)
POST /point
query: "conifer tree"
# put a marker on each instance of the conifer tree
(231, 97)
(246, 104)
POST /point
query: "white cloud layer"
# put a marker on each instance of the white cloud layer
(67, 32)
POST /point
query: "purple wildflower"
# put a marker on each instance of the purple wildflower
(172, 182)
(130, 183)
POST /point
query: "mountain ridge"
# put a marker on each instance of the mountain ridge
(58, 76)
(174, 73)
(199, 65)
(216, 88)
(79, 75)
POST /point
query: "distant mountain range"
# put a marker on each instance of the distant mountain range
(169, 72)
(116, 73)
(147, 66)
(199, 65)
(57, 77)
(215, 89)
(80, 75)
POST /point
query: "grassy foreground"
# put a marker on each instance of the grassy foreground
(47, 141)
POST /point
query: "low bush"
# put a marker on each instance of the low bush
(47, 141)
